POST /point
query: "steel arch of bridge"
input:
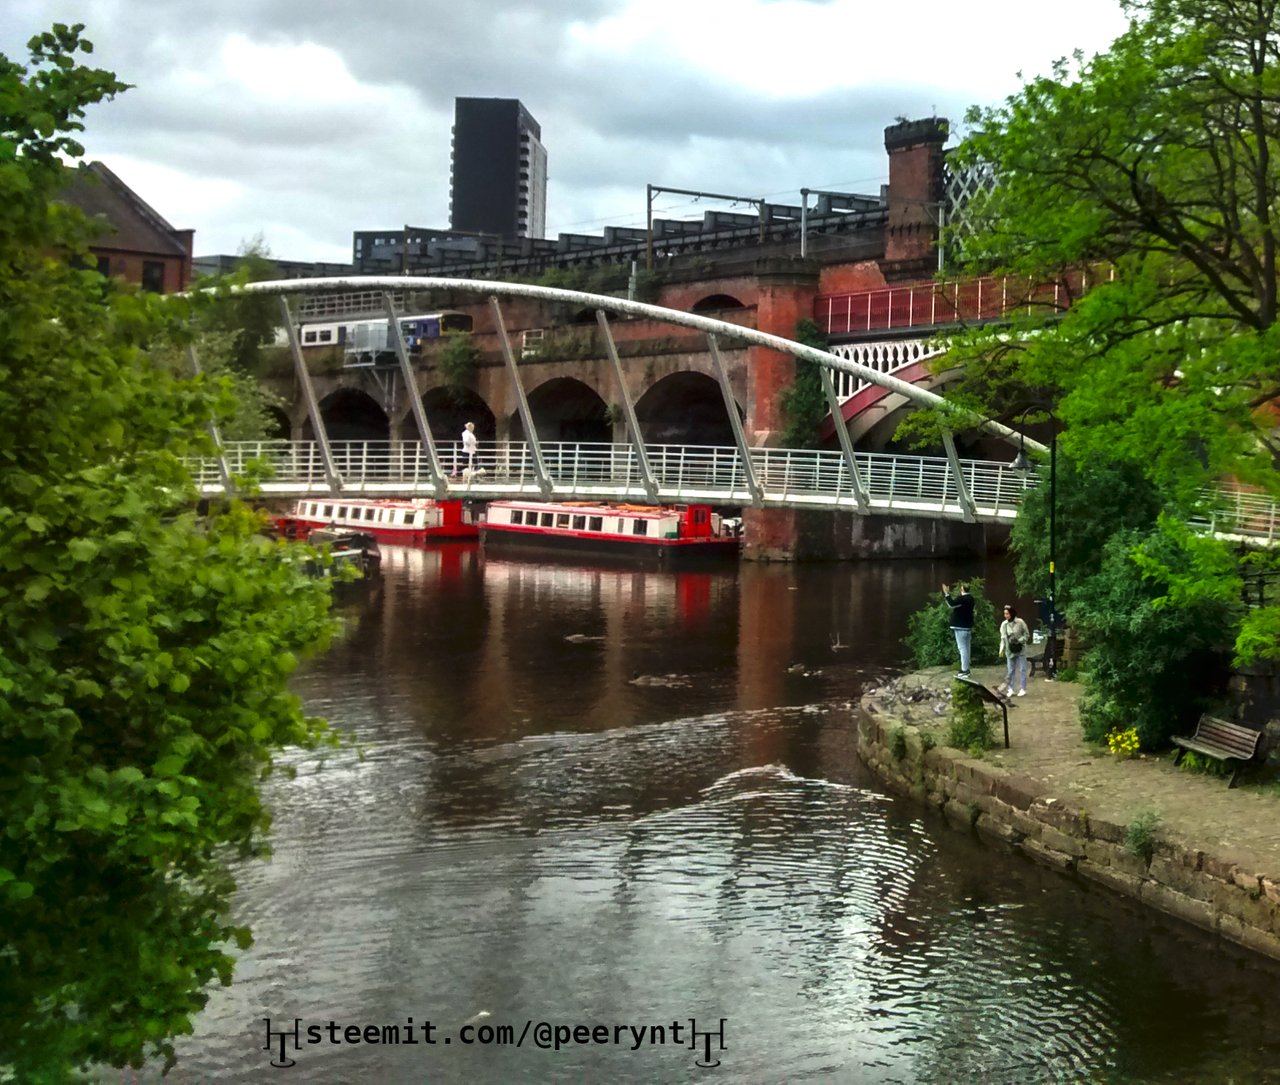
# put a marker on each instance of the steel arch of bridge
(641, 478)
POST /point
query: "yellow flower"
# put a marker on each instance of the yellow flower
(1123, 744)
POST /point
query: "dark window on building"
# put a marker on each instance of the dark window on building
(104, 266)
(153, 276)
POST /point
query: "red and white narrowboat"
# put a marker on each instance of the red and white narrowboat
(393, 522)
(668, 534)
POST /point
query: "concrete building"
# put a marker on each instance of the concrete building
(499, 180)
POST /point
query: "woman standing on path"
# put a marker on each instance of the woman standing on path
(1014, 636)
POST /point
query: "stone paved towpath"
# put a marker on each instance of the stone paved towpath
(1241, 825)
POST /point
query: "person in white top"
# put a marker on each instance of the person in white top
(1014, 637)
(470, 445)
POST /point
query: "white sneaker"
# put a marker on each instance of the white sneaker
(1022, 693)
(1009, 692)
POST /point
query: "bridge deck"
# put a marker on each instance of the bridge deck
(923, 486)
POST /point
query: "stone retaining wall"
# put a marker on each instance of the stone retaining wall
(1016, 812)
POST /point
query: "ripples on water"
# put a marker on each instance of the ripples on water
(718, 863)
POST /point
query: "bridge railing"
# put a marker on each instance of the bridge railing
(799, 478)
(930, 304)
(716, 474)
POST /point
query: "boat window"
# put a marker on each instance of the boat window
(546, 519)
(328, 512)
(342, 512)
(699, 516)
(517, 516)
(640, 527)
(596, 523)
(579, 523)
(368, 513)
(562, 519)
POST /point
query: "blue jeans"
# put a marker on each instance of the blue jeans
(1014, 665)
(964, 641)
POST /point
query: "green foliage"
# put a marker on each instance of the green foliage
(1094, 500)
(1151, 169)
(144, 652)
(970, 727)
(931, 642)
(458, 359)
(250, 418)
(805, 402)
(1140, 835)
(246, 322)
(1208, 766)
(1150, 665)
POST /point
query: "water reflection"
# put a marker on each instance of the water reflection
(629, 797)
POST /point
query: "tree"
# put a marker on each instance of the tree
(250, 320)
(804, 403)
(1136, 194)
(144, 651)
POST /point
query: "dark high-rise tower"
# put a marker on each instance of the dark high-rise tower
(499, 169)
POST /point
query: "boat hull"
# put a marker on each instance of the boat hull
(673, 553)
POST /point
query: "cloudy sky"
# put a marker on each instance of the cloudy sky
(303, 120)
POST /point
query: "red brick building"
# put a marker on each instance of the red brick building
(136, 244)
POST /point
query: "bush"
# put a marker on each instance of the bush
(970, 725)
(898, 744)
(932, 644)
(1140, 835)
(458, 359)
(1151, 666)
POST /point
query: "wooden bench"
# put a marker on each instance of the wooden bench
(1220, 739)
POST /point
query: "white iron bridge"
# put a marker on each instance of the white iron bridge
(927, 486)
(933, 487)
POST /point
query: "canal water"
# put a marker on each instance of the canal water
(619, 812)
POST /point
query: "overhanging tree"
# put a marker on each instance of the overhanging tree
(143, 652)
(1143, 185)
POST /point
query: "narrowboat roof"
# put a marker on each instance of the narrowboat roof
(654, 511)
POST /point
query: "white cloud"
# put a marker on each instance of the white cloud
(307, 119)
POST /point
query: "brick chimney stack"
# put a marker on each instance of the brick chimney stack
(915, 196)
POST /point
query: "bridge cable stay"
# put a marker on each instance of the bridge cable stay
(735, 423)
(962, 489)
(846, 444)
(522, 402)
(633, 423)
(434, 469)
(224, 471)
(332, 477)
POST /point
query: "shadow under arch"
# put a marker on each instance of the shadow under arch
(685, 409)
(565, 409)
(351, 415)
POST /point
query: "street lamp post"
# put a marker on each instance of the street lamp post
(1022, 462)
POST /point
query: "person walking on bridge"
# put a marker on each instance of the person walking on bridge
(961, 605)
(469, 447)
